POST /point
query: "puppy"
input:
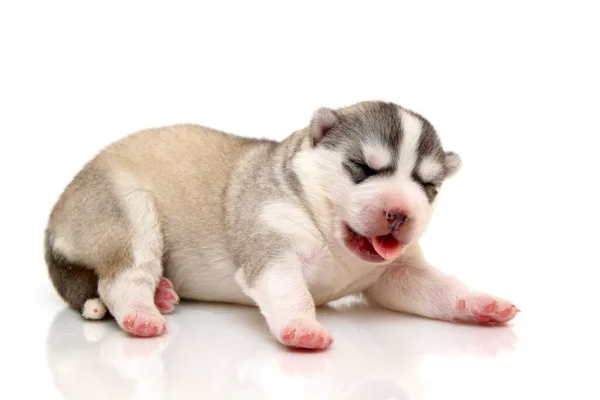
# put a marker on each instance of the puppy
(336, 208)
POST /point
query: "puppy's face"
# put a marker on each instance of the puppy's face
(373, 174)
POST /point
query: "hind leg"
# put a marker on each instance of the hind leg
(165, 299)
(165, 296)
(104, 239)
(129, 292)
(129, 295)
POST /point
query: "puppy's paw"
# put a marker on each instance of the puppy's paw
(144, 323)
(485, 309)
(306, 334)
(165, 297)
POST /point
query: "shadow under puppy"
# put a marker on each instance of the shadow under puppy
(336, 208)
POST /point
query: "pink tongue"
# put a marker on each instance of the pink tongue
(386, 246)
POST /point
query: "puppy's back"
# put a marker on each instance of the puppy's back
(176, 175)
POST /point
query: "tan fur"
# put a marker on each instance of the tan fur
(184, 168)
(168, 162)
(87, 224)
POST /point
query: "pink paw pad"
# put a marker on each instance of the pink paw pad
(490, 308)
(482, 318)
(165, 297)
(486, 310)
(144, 325)
(306, 335)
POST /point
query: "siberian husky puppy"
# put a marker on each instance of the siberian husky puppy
(336, 208)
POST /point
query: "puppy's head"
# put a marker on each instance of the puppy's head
(372, 174)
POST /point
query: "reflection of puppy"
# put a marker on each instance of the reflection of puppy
(336, 208)
(97, 362)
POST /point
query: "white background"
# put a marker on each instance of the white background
(513, 87)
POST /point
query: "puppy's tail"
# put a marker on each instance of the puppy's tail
(76, 284)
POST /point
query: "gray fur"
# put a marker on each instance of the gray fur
(378, 122)
(368, 122)
(252, 245)
(267, 175)
(429, 146)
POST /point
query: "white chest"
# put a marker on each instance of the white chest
(327, 278)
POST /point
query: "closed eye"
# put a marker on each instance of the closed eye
(365, 169)
(431, 189)
(359, 170)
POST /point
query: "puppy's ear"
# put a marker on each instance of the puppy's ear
(452, 164)
(323, 119)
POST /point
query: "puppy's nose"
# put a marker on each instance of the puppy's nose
(395, 219)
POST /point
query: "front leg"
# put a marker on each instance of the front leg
(416, 287)
(281, 293)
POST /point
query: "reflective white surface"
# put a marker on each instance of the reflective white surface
(219, 351)
(225, 352)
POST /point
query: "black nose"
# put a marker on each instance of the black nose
(396, 219)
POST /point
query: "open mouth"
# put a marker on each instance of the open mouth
(373, 249)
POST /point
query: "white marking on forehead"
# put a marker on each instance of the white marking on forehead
(376, 155)
(411, 129)
(430, 168)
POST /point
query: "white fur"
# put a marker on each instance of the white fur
(360, 204)
(290, 220)
(430, 168)
(65, 248)
(337, 200)
(417, 287)
(146, 237)
(376, 155)
(93, 309)
(281, 293)
(411, 127)
(332, 196)
(307, 242)
(214, 283)
(324, 182)
(131, 290)
(312, 274)
(326, 276)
